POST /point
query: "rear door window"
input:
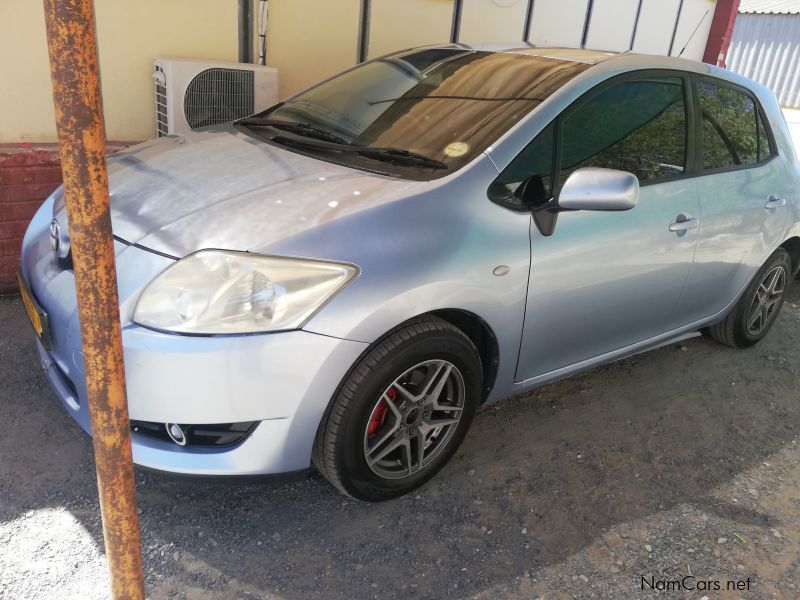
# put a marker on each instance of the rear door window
(730, 127)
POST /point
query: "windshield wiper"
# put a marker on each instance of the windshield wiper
(401, 156)
(301, 129)
(393, 155)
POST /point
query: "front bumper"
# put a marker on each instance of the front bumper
(283, 380)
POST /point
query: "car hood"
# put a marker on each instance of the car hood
(223, 189)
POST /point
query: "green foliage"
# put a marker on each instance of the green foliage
(729, 127)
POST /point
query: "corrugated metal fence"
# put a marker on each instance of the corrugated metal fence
(766, 47)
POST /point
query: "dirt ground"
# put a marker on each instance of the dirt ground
(679, 463)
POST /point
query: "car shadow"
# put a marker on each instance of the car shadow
(540, 477)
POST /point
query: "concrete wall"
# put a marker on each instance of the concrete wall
(395, 25)
(307, 40)
(130, 34)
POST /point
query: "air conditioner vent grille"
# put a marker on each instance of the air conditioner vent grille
(161, 102)
(218, 96)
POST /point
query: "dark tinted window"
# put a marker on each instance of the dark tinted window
(534, 165)
(764, 145)
(730, 136)
(447, 104)
(636, 126)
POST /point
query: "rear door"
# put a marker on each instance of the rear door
(743, 208)
(606, 280)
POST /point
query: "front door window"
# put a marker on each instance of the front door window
(637, 126)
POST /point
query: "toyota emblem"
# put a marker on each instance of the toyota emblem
(55, 236)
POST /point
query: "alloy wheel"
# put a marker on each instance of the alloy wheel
(763, 308)
(414, 419)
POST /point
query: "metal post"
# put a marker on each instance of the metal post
(635, 25)
(364, 15)
(245, 31)
(263, 16)
(675, 29)
(455, 28)
(526, 32)
(72, 43)
(587, 21)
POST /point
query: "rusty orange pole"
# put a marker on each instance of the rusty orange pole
(72, 43)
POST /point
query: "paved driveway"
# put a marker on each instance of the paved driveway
(683, 461)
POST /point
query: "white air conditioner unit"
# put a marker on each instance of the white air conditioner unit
(194, 93)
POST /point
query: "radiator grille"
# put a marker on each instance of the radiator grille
(218, 96)
(162, 127)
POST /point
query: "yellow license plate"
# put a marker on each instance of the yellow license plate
(36, 314)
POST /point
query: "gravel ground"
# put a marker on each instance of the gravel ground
(683, 461)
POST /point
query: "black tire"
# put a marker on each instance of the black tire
(733, 330)
(343, 437)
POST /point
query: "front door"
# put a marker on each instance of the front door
(606, 280)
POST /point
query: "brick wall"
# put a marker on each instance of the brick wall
(28, 174)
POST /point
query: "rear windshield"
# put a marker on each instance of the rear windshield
(443, 104)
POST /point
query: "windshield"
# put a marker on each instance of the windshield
(417, 115)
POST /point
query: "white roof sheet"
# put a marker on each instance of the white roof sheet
(773, 7)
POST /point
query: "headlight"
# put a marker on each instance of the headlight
(214, 292)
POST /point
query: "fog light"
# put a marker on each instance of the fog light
(205, 435)
(176, 433)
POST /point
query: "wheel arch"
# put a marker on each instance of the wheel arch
(482, 336)
(474, 327)
(792, 246)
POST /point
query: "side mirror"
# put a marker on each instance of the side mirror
(599, 189)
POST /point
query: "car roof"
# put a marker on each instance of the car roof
(609, 63)
(584, 55)
(590, 57)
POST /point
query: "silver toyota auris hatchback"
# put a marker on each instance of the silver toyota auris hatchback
(343, 279)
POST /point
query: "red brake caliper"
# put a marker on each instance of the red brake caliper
(379, 416)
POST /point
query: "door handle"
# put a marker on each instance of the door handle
(775, 201)
(683, 223)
